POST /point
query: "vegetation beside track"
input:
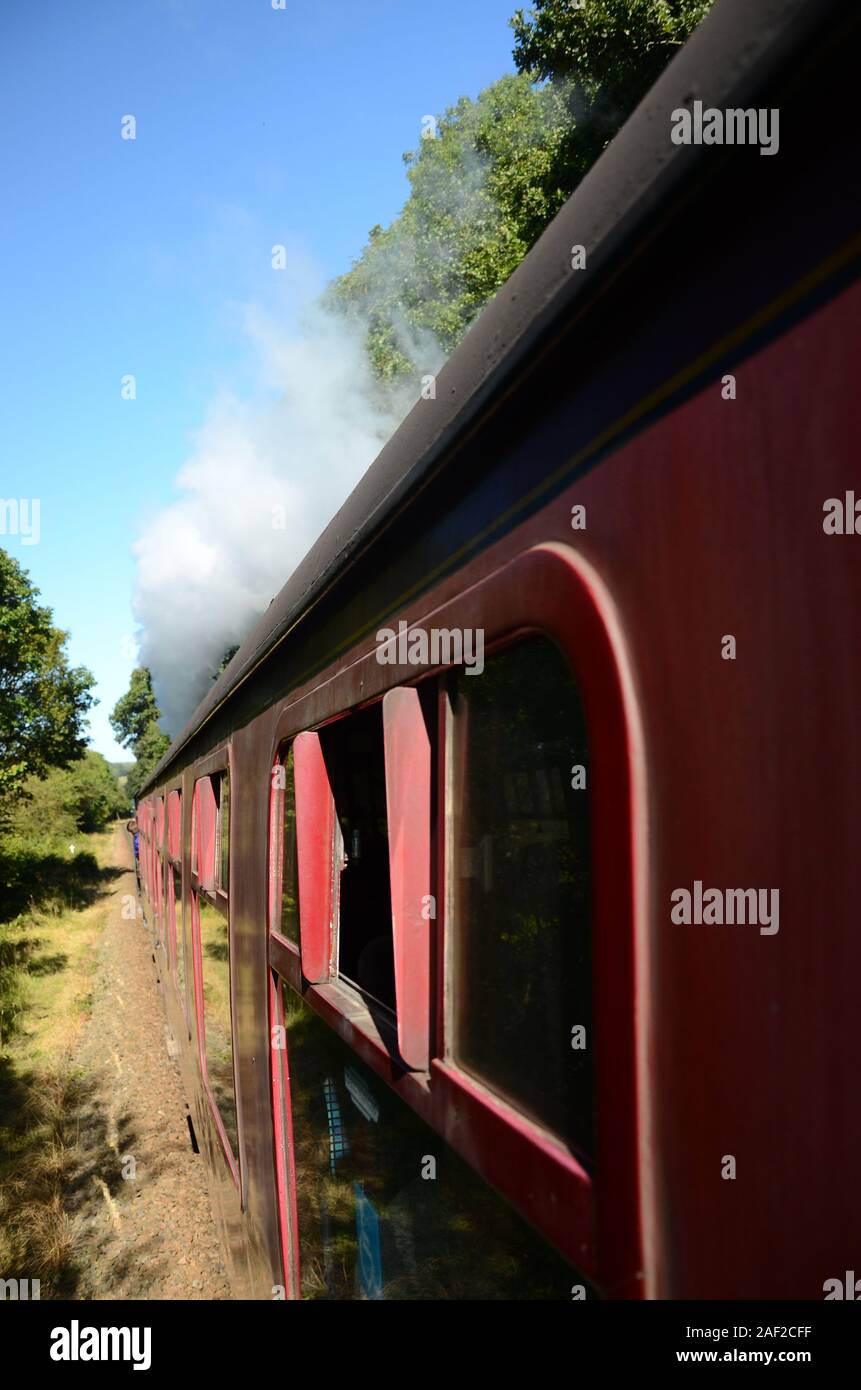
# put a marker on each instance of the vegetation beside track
(52, 913)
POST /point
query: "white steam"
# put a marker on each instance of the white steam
(262, 482)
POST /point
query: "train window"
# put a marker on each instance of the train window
(213, 935)
(289, 857)
(210, 827)
(354, 754)
(174, 824)
(179, 936)
(521, 934)
(386, 1210)
(158, 877)
(221, 787)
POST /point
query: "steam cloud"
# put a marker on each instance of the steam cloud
(263, 480)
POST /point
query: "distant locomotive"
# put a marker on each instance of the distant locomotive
(542, 981)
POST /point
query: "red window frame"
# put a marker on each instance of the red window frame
(410, 801)
(158, 875)
(204, 819)
(548, 590)
(203, 827)
(176, 910)
(174, 824)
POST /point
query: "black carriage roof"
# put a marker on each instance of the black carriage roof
(737, 49)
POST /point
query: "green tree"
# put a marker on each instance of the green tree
(136, 710)
(43, 700)
(80, 798)
(615, 47)
(608, 53)
(225, 661)
(93, 794)
(481, 191)
(134, 720)
(149, 749)
(498, 169)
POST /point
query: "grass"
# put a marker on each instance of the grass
(52, 917)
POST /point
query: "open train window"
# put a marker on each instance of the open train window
(179, 938)
(289, 856)
(174, 826)
(521, 929)
(353, 897)
(210, 831)
(213, 934)
(212, 950)
(493, 834)
(221, 787)
(353, 751)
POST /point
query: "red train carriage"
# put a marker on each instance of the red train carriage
(504, 884)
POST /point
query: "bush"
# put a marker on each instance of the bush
(76, 799)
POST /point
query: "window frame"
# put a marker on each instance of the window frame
(158, 887)
(219, 761)
(177, 936)
(548, 590)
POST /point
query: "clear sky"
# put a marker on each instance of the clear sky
(254, 126)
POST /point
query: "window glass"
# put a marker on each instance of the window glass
(386, 1209)
(521, 933)
(218, 1037)
(179, 934)
(174, 824)
(289, 861)
(159, 897)
(221, 786)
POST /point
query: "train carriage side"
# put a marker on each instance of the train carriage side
(514, 862)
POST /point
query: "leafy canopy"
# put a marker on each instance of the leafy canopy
(68, 801)
(43, 700)
(481, 191)
(499, 169)
(612, 49)
(134, 720)
(135, 710)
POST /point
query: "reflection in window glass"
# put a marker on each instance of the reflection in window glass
(159, 899)
(215, 963)
(179, 934)
(521, 939)
(373, 1221)
(289, 863)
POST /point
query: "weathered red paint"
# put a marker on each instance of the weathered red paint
(408, 797)
(711, 1040)
(315, 824)
(206, 812)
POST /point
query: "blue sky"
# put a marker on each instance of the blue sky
(254, 127)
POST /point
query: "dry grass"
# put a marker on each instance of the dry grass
(38, 1238)
(50, 956)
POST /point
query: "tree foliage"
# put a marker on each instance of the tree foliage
(149, 750)
(613, 48)
(606, 55)
(43, 700)
(482, 189)
(225, 661)
(498, 169)
(134, 720)
(136, 710)
(68, 801)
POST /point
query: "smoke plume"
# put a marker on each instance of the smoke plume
(263, 479)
